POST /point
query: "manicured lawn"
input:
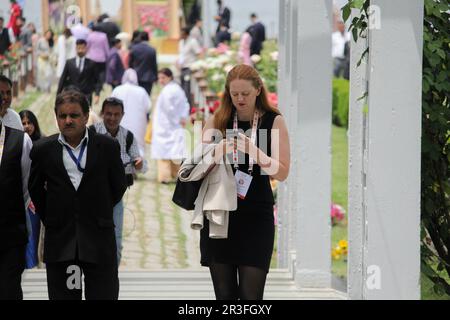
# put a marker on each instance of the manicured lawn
(339, 193)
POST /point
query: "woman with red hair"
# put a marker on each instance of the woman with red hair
(239, 263)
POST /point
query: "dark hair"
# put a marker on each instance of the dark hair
(72, 96)
(2, 19)
(81, 41)
(253, 15)
(115, 41)
(51, 42)
(167, 72)
(5, 79)
(144, 36)
(30, 115)
(111, 101)
(67, 32)
(136, 36)
(186, 30)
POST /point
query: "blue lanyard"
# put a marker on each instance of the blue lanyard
(80, 156)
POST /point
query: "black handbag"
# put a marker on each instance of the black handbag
(185, 193)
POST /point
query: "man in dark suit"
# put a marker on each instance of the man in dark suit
(223, 16)
(15, 147)
(76, 178)
(258, 33)
(80, 72)
(143, 60)
(5, 40)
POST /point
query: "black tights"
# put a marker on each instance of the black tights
(227, 287)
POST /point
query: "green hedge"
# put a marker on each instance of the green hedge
(341, 88)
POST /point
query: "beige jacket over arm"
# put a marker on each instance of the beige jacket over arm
(217, 195)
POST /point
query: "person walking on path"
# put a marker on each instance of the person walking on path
(239, 263)
(80, 72)
(143, 60)
(258, 32)
(114, 65)
(79, 31)
(6, 36)
(190, 50)
(137, 105)
(112, 113)
(98, 51)
(8, 116)
(15, 163)
(168, 136)
(244, 48)
(65, 49)
(31, 127)
(44, 53)
(76, 179)
(16, 12)
(223, 16)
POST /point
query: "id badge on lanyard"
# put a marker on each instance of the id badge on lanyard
(77, 161)
(243, 180)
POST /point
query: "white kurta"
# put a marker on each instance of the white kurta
(136, 104)
(66, 49)
(168, 137)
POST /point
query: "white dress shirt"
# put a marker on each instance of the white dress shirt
(189, 50)
(75, 175)
(338, 44)
(80, 64)
(12, 119)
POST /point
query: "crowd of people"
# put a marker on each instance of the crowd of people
(74, 181)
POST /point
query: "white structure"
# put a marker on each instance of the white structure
(384, 149)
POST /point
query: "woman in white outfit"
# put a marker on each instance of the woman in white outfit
(137, 107)
(168, 137)
(66, 49)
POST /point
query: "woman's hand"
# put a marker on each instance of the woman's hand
(224, 147)
(245, 145)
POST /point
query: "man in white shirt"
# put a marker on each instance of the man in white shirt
(339, 40)
(9, 117)
(15, 163)
(190, 50)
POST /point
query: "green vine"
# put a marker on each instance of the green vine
(435, 175)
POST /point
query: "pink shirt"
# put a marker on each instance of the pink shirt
(97, 46)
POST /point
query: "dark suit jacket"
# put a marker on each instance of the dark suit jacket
(80, 218)
(258, 32)
(110, 28)
(143, 60)
(225, 18)
(85, 81)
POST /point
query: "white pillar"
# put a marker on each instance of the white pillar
(206, 23)
(311, 140)
(356, 166)
(392, 185)
(283, 245)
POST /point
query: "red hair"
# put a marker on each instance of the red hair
(225, 112)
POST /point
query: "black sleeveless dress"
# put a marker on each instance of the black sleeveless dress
(251, 228)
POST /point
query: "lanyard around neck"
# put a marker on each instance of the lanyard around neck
(80, 156)
(252, 139)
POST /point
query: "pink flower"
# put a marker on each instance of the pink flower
(337, 213)
(273, 98)
(222, 48)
